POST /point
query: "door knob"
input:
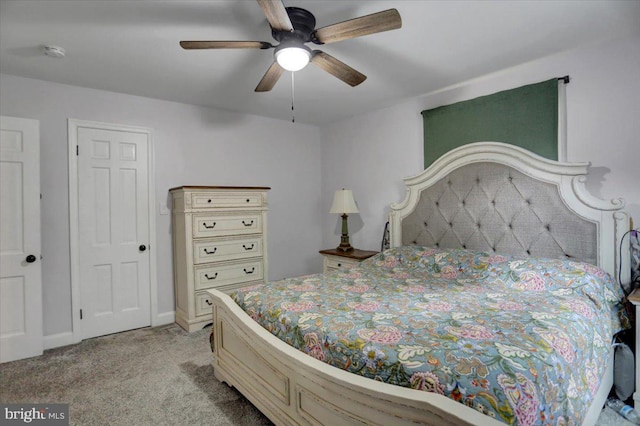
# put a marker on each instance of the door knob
(142, 247)
(30, 259)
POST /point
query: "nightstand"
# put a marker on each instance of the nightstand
(334, 259)
(634, 298)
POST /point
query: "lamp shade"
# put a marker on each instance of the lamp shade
(343, 202)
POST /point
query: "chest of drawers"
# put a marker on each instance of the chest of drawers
(219, 241)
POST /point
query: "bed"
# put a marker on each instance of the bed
(496, 304)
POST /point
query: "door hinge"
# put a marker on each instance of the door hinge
(80, 313)
(77, 149)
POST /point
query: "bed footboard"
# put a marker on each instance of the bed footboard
(291, 387)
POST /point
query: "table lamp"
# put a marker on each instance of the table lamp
(343, 203)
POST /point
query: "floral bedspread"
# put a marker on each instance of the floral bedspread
(522, 340)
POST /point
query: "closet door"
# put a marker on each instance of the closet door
(20, 265)
(113, 212)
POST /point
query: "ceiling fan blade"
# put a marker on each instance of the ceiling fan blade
(276, 14)
(337, 68)
(358, 27)
(270, 78)
(225, 45)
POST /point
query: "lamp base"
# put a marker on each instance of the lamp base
(344, 238)
(344, 247)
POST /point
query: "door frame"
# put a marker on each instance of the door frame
(74, 223)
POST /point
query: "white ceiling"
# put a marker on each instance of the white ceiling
(132, 47)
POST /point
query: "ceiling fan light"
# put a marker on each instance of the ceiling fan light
(293, 58)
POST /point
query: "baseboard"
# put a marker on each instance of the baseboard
(164, 319)
(66, 338)
(57, 340)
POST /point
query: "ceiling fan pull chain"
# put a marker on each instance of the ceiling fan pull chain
(293, 115)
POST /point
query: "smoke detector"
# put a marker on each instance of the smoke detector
(54, 51)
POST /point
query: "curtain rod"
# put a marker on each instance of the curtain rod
(566, 79)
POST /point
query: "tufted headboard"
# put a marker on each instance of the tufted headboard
(496, 197)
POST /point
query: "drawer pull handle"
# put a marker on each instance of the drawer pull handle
(248, 200)
(249, 272)
(339, 265)
(209, 200)
(209, 227)
(208, 303)
(247, 224)
(211, 278)
(210, 252)
(248, 248)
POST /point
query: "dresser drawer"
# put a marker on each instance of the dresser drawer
(335, 262)
(203, 303)
(203, 298)
(217, 275)
(217, 250)
(208, 225)
(218, 200)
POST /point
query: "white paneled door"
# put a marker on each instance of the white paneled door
(113, 230)
(20, 270)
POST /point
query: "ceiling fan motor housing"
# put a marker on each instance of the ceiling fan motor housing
(303, 22)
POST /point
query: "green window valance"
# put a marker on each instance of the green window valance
(526, 116)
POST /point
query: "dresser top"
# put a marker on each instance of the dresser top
(231, 188)
(352, 254)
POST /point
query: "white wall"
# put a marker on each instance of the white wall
(372, 152)
(193, 146)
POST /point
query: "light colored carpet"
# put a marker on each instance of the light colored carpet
(150, 376)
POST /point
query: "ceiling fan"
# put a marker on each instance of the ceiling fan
(292, 28)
